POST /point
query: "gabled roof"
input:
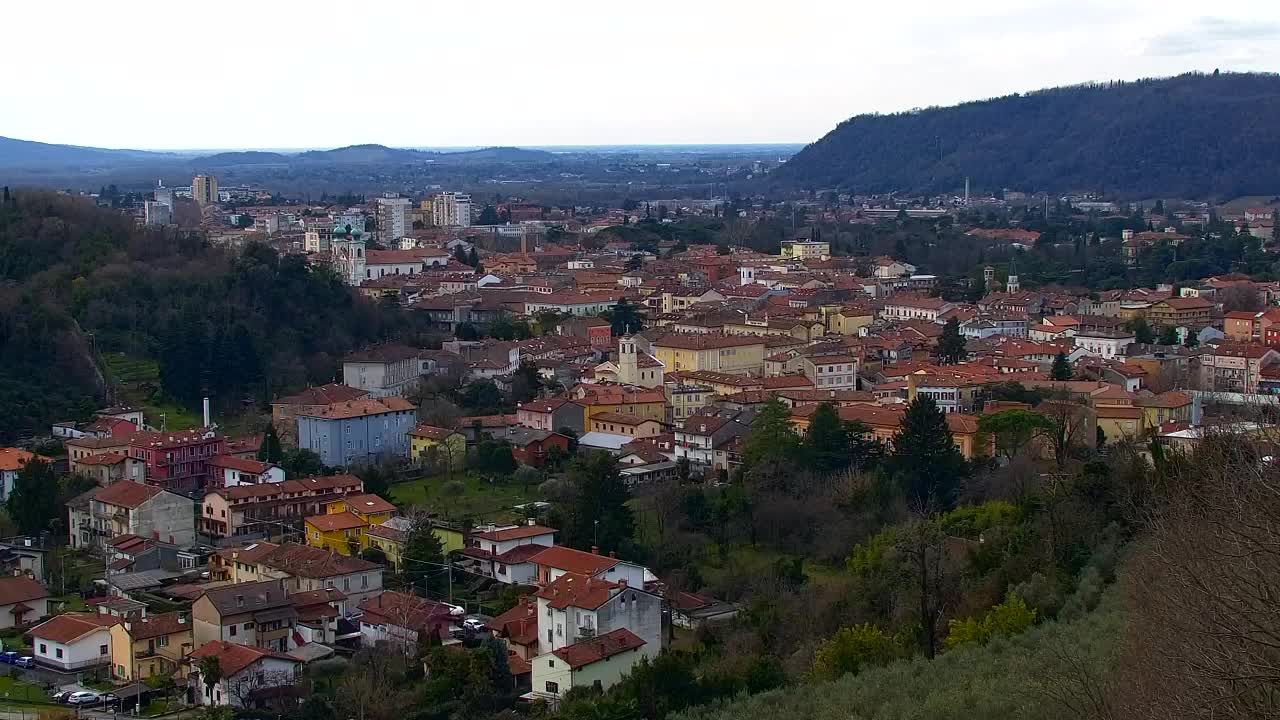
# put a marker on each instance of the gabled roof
(13, 458)
(518, 532)
(157, 624)
(586, 652)
(572, 590)
(232, 462)
(247, 597)
(126, 493)
(368, 504)
(20, 589)
(576, 561)
(322, 395)
(70, 627)
(335, 521)
(362, 407)
(233, 658)
(432, 432)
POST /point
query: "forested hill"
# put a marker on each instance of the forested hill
(232, 326)
(1192, 136)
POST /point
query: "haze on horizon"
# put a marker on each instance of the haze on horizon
(569, 72)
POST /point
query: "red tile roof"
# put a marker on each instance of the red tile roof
(362, 407)
(322, 395)
(570, 560)
(368, 504)
(596, 649)
(13, 458)
(125, 493)
(572, 590)
(335, 521)
(431, 432)
(514, 533)
(233, 658)
(71, 626)
(253, 467)
(20, 589)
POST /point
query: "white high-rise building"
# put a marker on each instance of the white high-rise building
(451, 210)
(391, 212)
(204, 189)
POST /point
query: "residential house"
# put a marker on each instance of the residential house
(598, 662)
(320, 615)
(302, 568)
(284, 410)
(551, 414)
(1173, 406)
(621, 424)
(517, 628)
(73, 641)
(531, 447)
(850, 320)
(252, 613)
(230, 471)
(144, 646)
(23, 600)
(245, 510)
(505, 553)
(357, 432)
(1117, 417)
(444, 447)
(341, 533)
(558, 560)
(249, 674)
(130, 508)
(699, 438)
(1179, 312)
(106, 468)
(11, 462)
(914, 307)
(24, 556)
(380, 371)
(177, 460)
(576, 607)
(87, 446)
(1235, 367)
(692, 610)
(596, 399)
(398, 619)
(1104, 344)
(831, 371)
(685, 400)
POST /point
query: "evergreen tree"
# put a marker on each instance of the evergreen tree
(473, 259)
(422, 557)
(1142, 332)
(33, 503)
(270, 450)
(925, 460)
(772, 437)
(1192, 340)
(1169, 336)
(950, 348)
(376, 481)
(1061, 369)
(826, 443)
(598, 514)
(625, 318)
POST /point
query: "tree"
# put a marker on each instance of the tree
(494, 459)
(1169, 335)
(826, 442)
(376, 479)
(853, 648)
(682, 469)
(488, 216)
(635, 262)
(300, 463)
(925, 460)
(1142, 331)
(1013, 429)
(527, 475)
(772, 436)
(210, 672)
(625, 319)
(950, 349)
(598, 515)
(33, 503)
(1009, 618)
(422, 557)
(1193, 339)
(269, 450)
(473, 259)
(525, 383)
(1061, 369)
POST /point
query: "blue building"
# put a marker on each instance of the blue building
(358, 432)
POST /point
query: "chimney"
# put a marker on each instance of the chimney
(529, 522)
(613, 554)
(622, 582)
(206, 412)
(595, 550)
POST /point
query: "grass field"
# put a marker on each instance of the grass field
(136, 381)
(478, 498)
(11, 689)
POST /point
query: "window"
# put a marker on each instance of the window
(364, 582)
(44, 649)
(346, 584)
(553, 688)
(549, 637)
(104, 649)
(58, 652)
(551, 663)
(232, 632)
(162, 641)
(559, 630)
(248, 626)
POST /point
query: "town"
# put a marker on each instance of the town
(606, 445)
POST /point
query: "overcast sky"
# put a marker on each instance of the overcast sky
(276, 74)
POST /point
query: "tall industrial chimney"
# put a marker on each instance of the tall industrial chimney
(206, 412)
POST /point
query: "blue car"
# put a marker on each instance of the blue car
(9, 658)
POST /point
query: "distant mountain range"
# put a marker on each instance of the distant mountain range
(1191, 136)
(28, 154)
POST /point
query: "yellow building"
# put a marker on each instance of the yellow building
(154, 645)
(450, 445)
(369, 508)
(1172, 406)
(740, 354)
(806, 250)
(390, 538)
(849, 320)
(341, 532)
(597, 399)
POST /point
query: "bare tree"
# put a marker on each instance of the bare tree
(1240, 297)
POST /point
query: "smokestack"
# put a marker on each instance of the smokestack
(206, 412)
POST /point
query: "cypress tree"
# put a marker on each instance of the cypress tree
(925, 461)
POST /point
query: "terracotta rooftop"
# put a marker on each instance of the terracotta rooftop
(13, 458)
(334, 522)
(20, 589)
(584, 653)
(234, 658)
(362, 407)
(518, 532)
(128, 494)
(572, 590)
(67, 628)
(575, 561)
(322, 395)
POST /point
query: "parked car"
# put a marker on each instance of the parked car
(26, 661)
(474, 624)
(84, 697)
(60, 696)
(9, 658)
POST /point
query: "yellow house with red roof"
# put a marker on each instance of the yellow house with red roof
(344, 526)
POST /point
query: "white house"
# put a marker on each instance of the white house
(579, 607)
(74, 641)
(558, 560)
(230, 471)
(505, 553)
(914, 307)
(1104, 344)
(22, 600)
(599, 662)
(246, 672)
(398, 619)
(886, 268)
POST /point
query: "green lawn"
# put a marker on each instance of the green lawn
(136, 382)
(478, 498)
(72, 602)
(11, 689)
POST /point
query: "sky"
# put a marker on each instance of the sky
(285, 74)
